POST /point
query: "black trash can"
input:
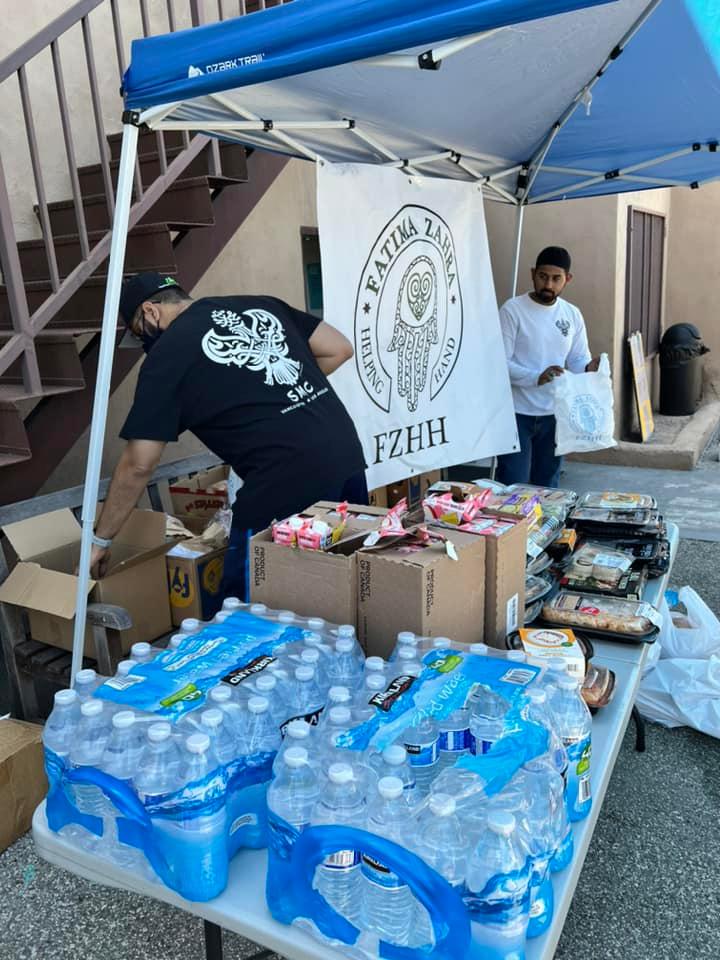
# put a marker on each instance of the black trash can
(681, 352)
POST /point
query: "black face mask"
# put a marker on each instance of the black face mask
(149, 337)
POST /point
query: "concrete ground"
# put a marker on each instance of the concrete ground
(649, 889)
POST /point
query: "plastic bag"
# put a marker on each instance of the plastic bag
(584, 410)
(683, 693)
(695, 636)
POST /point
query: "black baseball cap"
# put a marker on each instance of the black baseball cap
(139, 288)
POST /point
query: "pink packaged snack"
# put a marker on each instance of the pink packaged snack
(446, 508)
(309, 533)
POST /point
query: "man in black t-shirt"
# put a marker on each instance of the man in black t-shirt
(248, 376)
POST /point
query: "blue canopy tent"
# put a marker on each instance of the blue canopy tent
(536, 100)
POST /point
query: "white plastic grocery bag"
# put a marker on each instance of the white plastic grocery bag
(584, 410)
(695, 636)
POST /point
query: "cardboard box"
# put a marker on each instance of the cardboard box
(313, 583)
(194, 574)
(504, 581)
(22, 778)
(44, 580)
(426, 592)
(198, 496)
(413, 489)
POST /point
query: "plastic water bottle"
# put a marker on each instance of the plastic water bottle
(376, 665)
(404, 639)
(120, 760)
(263, 733)
(158, 770)
(338, 878)
(393, 762)
(440, 842)
(344, 668)
(258, 609)
(421, 740)
(221, 616)
(190, 625)
(338, 696)
(297, 734)
(60, 731)
(175, 640)
(220, 735)
(92, 736)
(497, 890)
(373, 684)
(516, 656)
(407, 662)
(267, 686)
(123, 668)
(338, 721)
(487, 719)
(537, 711)
(141, 652)
(550, 838)
(86, 682)
(232, 604)
(315, 642)
(222, 697)
(311, 657)
(346, 631)
(305, 701)
(480, 649)
(574, 726)
(390, 907)
(455, 737)
(207, 827)
(291, 798)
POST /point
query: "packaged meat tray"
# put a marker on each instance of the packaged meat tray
(614, 500)
(629, 586)
(536, 588)
(532, 612)
(628, 620)
(599, 564)
(539, 565)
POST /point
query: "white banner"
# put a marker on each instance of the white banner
(407, 278)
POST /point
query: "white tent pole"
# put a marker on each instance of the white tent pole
(518, 244)
(102, 385)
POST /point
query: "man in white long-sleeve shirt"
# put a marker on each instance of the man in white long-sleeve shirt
(544, 336)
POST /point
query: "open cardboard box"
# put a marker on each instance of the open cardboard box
(313, 583)
(45, 585)
(200, 496)
(195, 572)
(426, 591)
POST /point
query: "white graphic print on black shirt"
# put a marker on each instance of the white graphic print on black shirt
(261, 346)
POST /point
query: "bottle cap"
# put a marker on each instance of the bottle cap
(316, 623)
(390, 788)
(265, 684)
(310, 656)
(190, 625)
(313, 640)
(286, 616)
(222, 616)
(220, 694)
(536, 695)
(440, 643)
(566, 682)
(231, 603)
(375, 681)
(140, 650)
(124, 667)
(212, 718)
(65, 697)
(258, 704)
(304, 673)
(517, 655)
(407, 653)
(86, 676)
(406, 636)
(258, 608)
(298, 730)
(375, 665)
(346, 630)
(501, 822)
(296, 757)
(340, 715)
(442, 804)
(479, 649)
(338, 694)
(157, 732)
(557, 663)
(341, 773)
(344, 645)
(198, 742)
(91, 708)
(395, 755)
(123, 720)
(175, 640)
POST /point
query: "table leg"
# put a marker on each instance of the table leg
(639, 730)
(213, 941)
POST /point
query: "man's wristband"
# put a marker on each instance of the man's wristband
(101, 542)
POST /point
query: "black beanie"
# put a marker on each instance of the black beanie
(554, 257)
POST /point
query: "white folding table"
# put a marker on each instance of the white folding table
(241, 907)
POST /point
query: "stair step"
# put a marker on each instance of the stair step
(147, 142)
(233, 163)
(185, 204)
(14, 443)
(59, 366)
(149, 248)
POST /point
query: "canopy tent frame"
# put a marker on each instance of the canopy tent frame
(502, 179)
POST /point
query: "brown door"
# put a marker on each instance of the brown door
(643, 299)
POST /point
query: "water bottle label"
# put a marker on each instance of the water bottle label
(312, 718)
(578, 781)
(377, 873)
(255, 666)
(246, 820)
(455, 741)
(504, 897)
(422, 754)
(384, 699)
(342, 859)
(123, 683)
(519, 675)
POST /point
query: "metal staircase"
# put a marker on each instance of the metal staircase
(190, 195)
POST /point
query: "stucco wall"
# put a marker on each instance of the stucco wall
(264, 256)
